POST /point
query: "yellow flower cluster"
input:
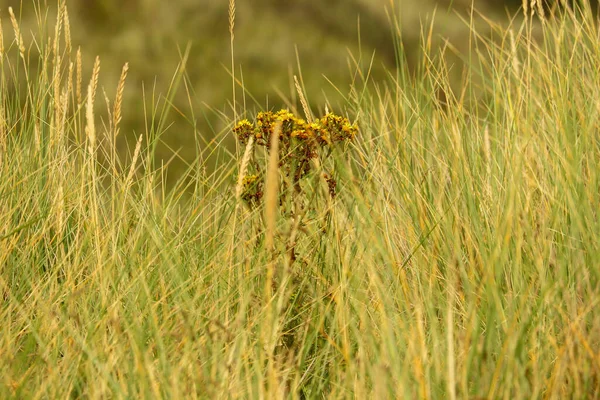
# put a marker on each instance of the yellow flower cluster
(329, 129)
(299, 142)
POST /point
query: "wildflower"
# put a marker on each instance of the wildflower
(307, 131)
(264, 127)
(289, 124)
(349, 131)
(299, 142)
(243, 130)
(286, 117)
(339, 128)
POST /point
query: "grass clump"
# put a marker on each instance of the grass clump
(457, 259)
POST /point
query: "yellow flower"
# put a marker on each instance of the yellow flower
(264, 127)
(289, 123)
(349, 131)
(244, 129)
(329, 129)
(339, 128)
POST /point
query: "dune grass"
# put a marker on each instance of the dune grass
(458, 258)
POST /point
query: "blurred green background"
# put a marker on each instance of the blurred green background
(152, 35)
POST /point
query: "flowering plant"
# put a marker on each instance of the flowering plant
(299, 143)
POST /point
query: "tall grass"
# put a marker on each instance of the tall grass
(459, 257)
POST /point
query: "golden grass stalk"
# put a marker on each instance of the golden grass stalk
(271, 189)
(243, 168)
(516, 64)
(57, 32)
(90, 129)
(37, 136)
(231, 19)
(56, 78)
(57, 63)
(136, 154)
(487, 148)
(107, 101)
(67, 30)
(56, 85)
(525, 7)
(303, 100)
(1, 43)
(3, 130)
(450, 342)
(78, 76)
(2, 133)
(61, 115)
(540, 9)
(70, 79)
(232, 36)
(18, 36)
(119, 100)
(132, 168)
(94, 80)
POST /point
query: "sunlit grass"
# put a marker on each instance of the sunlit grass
(457, 259)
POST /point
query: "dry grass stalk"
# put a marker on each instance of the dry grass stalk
(136, 154)
(57, 62)
(516, 64)
(3, 125)
(57, 32)
(57, 110)
(78, 75)
(303, 100)
(90, 129)
(450, 340)
(271, 189)
(107, 101)
(3, 133)
(487, 148)
(243, 168)
(18, 36)
(37, 138)
(525, 7)
(232, 36)
(67, 30)
(56, 78)
(540, 9)
(1, 43)
(70, 79)
(231, 17)
(60, 118)
(3, 130)
(56, 82)
(119, 100)
(94, 79)
(64, 101)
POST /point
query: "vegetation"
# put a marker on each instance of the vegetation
(445, 247)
